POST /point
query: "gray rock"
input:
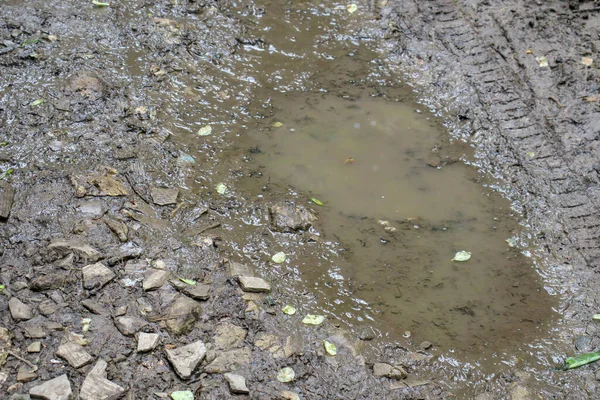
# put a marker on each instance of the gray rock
(96, 275)
(425, 345)
(237, 383)
(229, 361)
(290, 217)
(94, 307)
(50, 281)
(185, 359)
(96, 386)
(18, 396)
(74, 354)
(199, 291)
(236, 269)
(34, 347)
(65, 246)
(91, 208)
(48, 307)
(34, 331)
(147, 341)
(287, 395)
(263, 340)
(19, 310)
(583, 343)
(25, 374)
(229, 336)
(254, 284)
(164, 197)
(117, 227)
(184, 312)
(55, 389)
(383, 369)
(155, 278)
(129, 326)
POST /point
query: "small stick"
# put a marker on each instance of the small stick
(35, 368)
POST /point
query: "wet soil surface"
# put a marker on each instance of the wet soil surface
(156, 156)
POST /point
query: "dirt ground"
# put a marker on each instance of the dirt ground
(98, 180)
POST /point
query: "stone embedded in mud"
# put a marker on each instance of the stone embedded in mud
(7, 195)
(65, 246)
(383, 369)
(263, 340)
(164, 197)
(199, 291)
(74, 354)
(253, 284)
(147, 341)
(34, 347)
(25, 374)
(129, 326)
(97, 386)
(229, 336)
(117, 227)
(34, 331)
(290, 217)
(94, 307)
(236, 270)
(96, 276)
(154, 278)
(237, 383)
(185, 359)
(229, 361)
(55, 389)
(19, 310)
(104, 184)
(183, 314)
(48, 307)
(50, 281)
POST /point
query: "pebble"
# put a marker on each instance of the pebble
(237, 383)
(97, 386)
(19, 310)
(287, 395)
(383, 369)
(425, 345)
(74, 354)
(199, 291)
(164, 197)
(34, 347)
(55, 389)
(253, 284)
(185, 311)
(96, 275)
(147, 341)
(129, 326)
(185, 359)
(25, 374)
(154, 278)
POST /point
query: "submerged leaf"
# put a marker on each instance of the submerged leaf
(289, 310)
(330, 348)
(221, 188)
(188, 281)
(277, 124)
(182, 395)
(36, 102)
(462, 256)
(205, 130)
(279, 257)
(542, 61)
(286, 375)
(311, 319)
(580, 360)
(351, 8)
(316, 201)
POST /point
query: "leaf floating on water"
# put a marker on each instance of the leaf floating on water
(462, 256)
(286, 375)
(596, 317)
(182, 395)
(530, 154)
(583, 359)
(317, 201)
(330, 348)
(542, 61)
(36, 102)
(289, 310)
(277, 124)
(188, 281)
(311, 319)
(279, 257)
(100, 3)
(512, 242)
(205, 130)
(587, 61)
(222, 188)
(351, 8)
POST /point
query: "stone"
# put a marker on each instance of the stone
(121, 310)
(290, 348)
(97, 386)
(147, 341)
(290, 217)
(425, 345)
(18, 396)
(583, 343)
(164, 197)
(287, 395)
(34, 347)
(65, 246)
(237, 269)
(94, 307)
(48, 307)
(253, 284)
(50, 281)
(117, 227)
(185, 359)
(96, 276)
(34, 331)
(154, 278)
(17, 286)
(55, 389)
(228, 361)
(19, 310)
(263, 341)
(25, 374)
(237, 383)
(184, 312)
(229, 336)
(74, 354)
(383, 369)
(129, 326)
(91, 208)
(199, 291)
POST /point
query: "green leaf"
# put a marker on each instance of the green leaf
(2, 288)
(530, 154)
(289, 310)
(351, 8)
(542, 61)
(6, 173)
(330, 348)
(311, 319)
(36, 102)
(580, 360)
(205, 130)
(462, 256)
(182, 395)
(596, 317)
(277, 124)
(222, 188)
(188, 281)
(317, 201)
(286, 375)
(279, 257)
(100, 3)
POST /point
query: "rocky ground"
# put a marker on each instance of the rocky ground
(113, 282)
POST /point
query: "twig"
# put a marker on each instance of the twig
(35, 368)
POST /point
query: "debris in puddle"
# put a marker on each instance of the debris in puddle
(311, 319)
(316, 201)
(512, 242)
(587, 61)
(205, 131)
(277, 124)
(100, 3)
(351, 8)
(580, 360)
(542, 61)
(349, 160)
(222, 188)
(462, 256)
(278, 258)
(182, 395)
(407, 334)
(286, 375)
(330, 348)
(289, 310)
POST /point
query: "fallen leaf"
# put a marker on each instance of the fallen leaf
(311, 319)
(330, 348)
(279, 257)
(100, 4)
(583, 359)
(85, 324)
(530, 154)
(277, 124)
(351, 8)
(542, 61)
(6, 173)
(2, 288)
(462, 256)
(286, 375)
(222, 188)
(182, 395)
(595, 317)
(188, 281)
(36, 102)
(205, 130)
(289, 310)
(316, 201)
(587, 61)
